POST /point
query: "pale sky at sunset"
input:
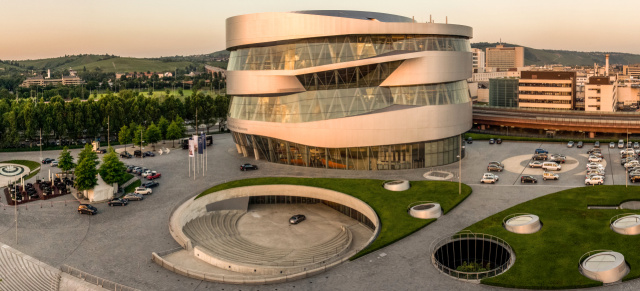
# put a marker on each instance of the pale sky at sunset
(151, 28)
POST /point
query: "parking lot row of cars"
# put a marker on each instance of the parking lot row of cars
(144, 172)
(595, 174)
(549, 163)
(137, 153)
(137, 195)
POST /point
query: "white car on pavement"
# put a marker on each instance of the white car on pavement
(489, 178)
(594, 166)
(593, 158)
(143, 191)
(633, 163)
(594, 180)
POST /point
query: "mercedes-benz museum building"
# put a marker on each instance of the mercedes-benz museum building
(348, 90)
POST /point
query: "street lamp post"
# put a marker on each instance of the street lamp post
(460, 168)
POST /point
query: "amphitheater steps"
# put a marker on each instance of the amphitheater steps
(217, 233)
(19, 273)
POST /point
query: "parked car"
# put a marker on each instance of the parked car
(629, 144)
(535, 164)
(570, 144)
(541, 151)
(146, 172)
(596, 144)
(491, 167)
(550, 176)
(633, 163)
(497, 163)
(47, 160)
(489, 178)
(126, 155)
(297, 219)
(54, 163)
(635, 178)
(469, 140)
(150, 184)
(148, 154)
(595, 180)
(557, 159)
(528, 179)
(492, 141)
(558, 156)
(580, 144)
(540, 157)
(118, 202)
(499, 141)
(594, 150)
(143, 191)
(636, 145)
(87, 209)
(551, 166)
(247, 167)
(594, 165)
(137, 153)
(101, 151)
(133, 197)
(593, 158)
(153, 176)
(612, 145)
(621, 144)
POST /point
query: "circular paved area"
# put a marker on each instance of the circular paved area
(117, 243)
(12, 172)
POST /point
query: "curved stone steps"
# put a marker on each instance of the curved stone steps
(18, 273)
(217, 232)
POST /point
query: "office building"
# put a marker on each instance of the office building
(348, 90)
(547, 89)
(504, 58)
(478, 60)
(503, 92)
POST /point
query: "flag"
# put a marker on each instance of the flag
(200, 146)
(204, 143)
(192, 148)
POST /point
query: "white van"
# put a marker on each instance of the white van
(551, 166)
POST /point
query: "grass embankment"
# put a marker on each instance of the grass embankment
(549, 258)
(132, 187)
(125, 178)
(31, 164)
(482, 136)
(391, 207)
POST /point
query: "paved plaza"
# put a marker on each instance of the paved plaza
(117, 243)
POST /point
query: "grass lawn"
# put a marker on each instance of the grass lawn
(391, 207)
(132, 187)
(127, 177)
(549, 258)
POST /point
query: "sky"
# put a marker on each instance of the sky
(33, 29)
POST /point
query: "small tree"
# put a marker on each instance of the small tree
(153, 134)
(138, 135)
(174, 132)
(112, 170)
(181, 125)
(65, 161)
(124, 136)
(163, 125)
(86, 170)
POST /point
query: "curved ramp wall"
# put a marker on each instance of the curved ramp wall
(194, 208)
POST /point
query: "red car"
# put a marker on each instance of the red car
(154, 176)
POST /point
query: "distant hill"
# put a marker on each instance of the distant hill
(567, 58)
(110, 63)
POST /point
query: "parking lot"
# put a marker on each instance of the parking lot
(517, 155)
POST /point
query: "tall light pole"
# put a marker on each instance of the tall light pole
(460, 168)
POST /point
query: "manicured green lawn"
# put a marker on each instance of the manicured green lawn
(126, 178)
(132, 187)
(549, 258)
(391, 207)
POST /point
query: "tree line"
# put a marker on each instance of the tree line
(70, 120)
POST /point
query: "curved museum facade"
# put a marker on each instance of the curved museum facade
(348, 89)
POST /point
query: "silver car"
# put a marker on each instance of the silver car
(133, 196)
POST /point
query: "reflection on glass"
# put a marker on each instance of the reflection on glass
(331, 104)
(389, 157)
(305, 53)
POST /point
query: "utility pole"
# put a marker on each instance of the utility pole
(108, 133)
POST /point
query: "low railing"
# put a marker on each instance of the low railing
(466, 235)
(586, 255)
(104, 283)
(506, 218)
(613, 219)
